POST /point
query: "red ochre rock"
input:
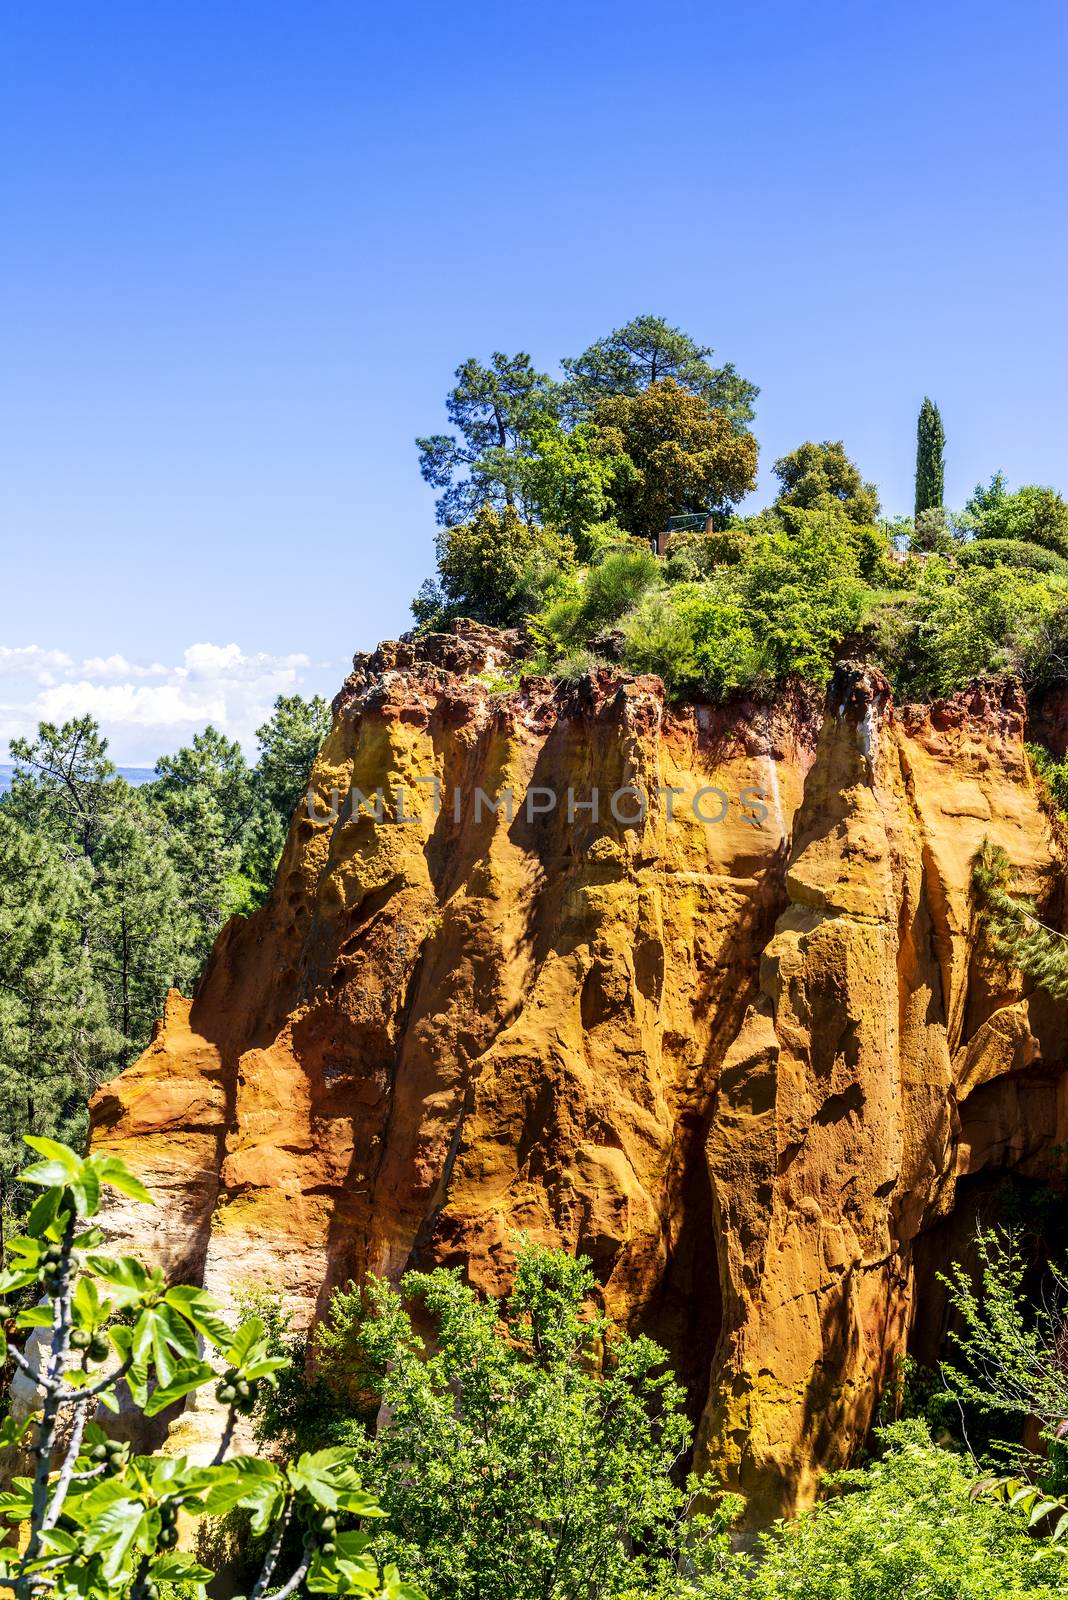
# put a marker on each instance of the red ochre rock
(748, 1065)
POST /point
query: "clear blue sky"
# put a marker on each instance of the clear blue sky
(245, 244)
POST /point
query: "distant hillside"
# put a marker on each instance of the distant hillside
(134, 775)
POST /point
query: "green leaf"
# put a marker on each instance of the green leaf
(179, 1333)
(200, 1309)
(90, 1309)
(331, 1479)
(117, 1175)
(86, 1191)
(35, 1317)
(178, 1566)
(112, 1534)
(265, 1367)
(350, 1567)
(46, 1172)
(1043, 1509)
(186, 1376)
(12, 1432)
(44, 1211)
(53, 1151)
(247, 1336)
(256, 1485)
(127, 1278)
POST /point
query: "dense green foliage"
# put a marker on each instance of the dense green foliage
(533, 1450)
(98, 1520)
(821, 477)
(644, 351)
(907, 1527)
(512, 1458)
(564, 477)
(109, 895)
(930, 459)
(1016, 933)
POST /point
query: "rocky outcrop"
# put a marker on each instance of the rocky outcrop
(694, 990)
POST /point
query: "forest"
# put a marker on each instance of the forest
(424, 1439)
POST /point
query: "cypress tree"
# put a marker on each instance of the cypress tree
(930, 468)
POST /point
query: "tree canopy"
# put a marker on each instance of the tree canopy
(644, 351)
(821, 477)
(684, 456)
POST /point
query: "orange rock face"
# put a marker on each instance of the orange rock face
(696, 991)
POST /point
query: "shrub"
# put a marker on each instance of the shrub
(657, 638)
(495, 568)
(1011, 553)
(596, 599)
(907, 1527)
(962, 625)
(805, 594)
(698, 555)
(534, 1452)
(1037, 514)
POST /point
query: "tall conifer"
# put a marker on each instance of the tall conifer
(930, 467)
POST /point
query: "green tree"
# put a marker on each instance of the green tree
(140, 923)
(1034, 514)
(288, 744)
(821, 477)
(99, 1520)
(532, 1452)
(206, 795)
(642, 352)
(56, 1042)
(959, 625)
(684, 456)
(495, 569)
(804, 592)
(60, 786)
(930, 465)
(569, 483)
(492, 407)
(595, 599)
(1015, 931)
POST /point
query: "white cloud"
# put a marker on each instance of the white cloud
(146, 709)
(32, 661)
(119, 667)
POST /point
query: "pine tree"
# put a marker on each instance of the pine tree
(930, 467)
(1014, 931)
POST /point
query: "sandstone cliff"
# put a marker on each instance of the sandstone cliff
(744, 1050)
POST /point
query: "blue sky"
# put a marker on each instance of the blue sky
(244, 246)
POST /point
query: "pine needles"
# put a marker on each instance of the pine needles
(1012, 927)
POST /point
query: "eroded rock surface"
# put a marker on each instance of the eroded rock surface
(739, 1050)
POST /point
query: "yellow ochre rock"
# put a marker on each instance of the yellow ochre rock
(695, 990)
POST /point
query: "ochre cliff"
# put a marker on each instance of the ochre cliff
(744, 1064)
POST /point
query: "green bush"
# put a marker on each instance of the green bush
(961, 625)
(1034, 513)
(1010, 553)
(596, 599)
(1053, 773)
(907, 1527)
(804, 594)
(658, 639)
(532, 1453)
(698, 555)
